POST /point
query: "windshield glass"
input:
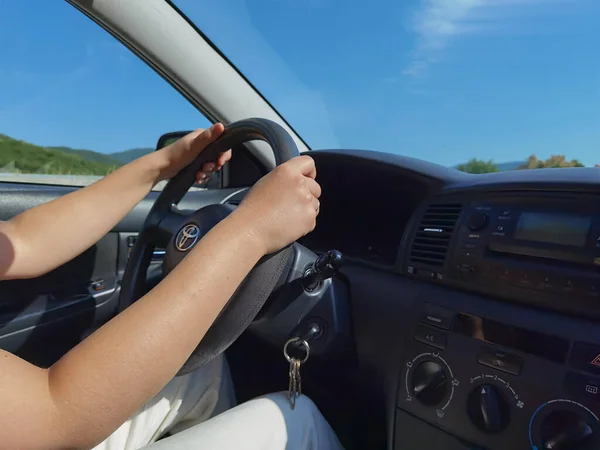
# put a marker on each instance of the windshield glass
(485, 85)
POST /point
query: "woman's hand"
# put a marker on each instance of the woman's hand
(179, 154)
(283, 205)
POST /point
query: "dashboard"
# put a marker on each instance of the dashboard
(475, 299)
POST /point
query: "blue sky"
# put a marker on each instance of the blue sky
(443, 80)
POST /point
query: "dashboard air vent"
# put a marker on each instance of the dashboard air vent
(432, 238)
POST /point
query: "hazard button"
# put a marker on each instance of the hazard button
(586, 357)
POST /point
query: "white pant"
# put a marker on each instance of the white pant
(186, 404)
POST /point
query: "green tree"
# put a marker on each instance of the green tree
(554, 161)
(475, 165)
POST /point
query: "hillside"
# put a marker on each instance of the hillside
(22, 157)
(90, 155)
(18, 156)
(129, 155)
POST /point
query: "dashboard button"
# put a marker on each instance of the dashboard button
(467, 255)
(466, 269)
(546, 282)
(569, 285)
(507, 276)
(437, 316)
(504, 214)
(431, 337)
(427, 274)
(583, 386)
(500, 360)
(526, 279)
(586, 357)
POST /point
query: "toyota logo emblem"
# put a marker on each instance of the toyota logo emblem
(187, 237)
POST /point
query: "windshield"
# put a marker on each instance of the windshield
(484, 85)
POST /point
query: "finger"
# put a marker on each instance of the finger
(202, 177)
(194, 134)
(313, 187)
(316, 204)
(209, 167)
(208, 136)
(305, 164)
(223, 158)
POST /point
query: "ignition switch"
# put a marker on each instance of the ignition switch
(325, 266)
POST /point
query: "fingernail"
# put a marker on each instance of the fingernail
(209, 167)
(202, 176)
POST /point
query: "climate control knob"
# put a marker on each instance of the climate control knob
(564, 424)
(430, 384)
(488, 409)
(567, 430)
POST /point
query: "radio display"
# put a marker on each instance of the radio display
(558, 229)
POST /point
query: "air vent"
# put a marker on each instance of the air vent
(432, 238)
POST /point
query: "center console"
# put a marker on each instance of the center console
(526, 378)
(498, 386)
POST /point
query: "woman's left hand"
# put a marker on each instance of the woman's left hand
(182, 152)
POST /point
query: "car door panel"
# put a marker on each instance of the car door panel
(42, 318)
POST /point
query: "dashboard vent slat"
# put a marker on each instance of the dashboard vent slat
(432, 238)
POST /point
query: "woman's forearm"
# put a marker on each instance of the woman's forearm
(49, 235)
(147, 344)
(95, 387)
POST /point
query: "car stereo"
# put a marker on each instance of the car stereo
(543, 250)
(538, 235)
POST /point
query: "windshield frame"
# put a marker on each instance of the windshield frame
(238, 71)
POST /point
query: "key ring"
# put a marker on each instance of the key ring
(304, 344)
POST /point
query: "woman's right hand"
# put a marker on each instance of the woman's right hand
(283, 205)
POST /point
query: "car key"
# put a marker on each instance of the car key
(295, 383)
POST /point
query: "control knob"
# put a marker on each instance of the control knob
(488, 409)
(477, 220)
(430, 384)
(567, 430)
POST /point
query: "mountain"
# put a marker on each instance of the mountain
(90, 155)
(511, 165)
(127, 156)
(18, 156)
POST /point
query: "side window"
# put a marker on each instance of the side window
(74, 102)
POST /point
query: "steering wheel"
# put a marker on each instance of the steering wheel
(166, 226)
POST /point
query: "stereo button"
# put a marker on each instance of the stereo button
(478, 220)
(547, 283)
(525, 279)
(507, 276)
(569, 285)
(505, 214)
(591, 290)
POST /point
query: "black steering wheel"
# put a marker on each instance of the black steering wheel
(179, 232)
